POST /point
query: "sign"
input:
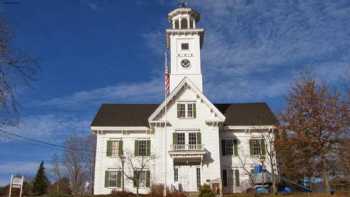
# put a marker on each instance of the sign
(16, 182)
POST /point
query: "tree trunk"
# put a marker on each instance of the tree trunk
(325, 180)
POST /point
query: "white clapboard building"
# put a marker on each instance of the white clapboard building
(201, 143)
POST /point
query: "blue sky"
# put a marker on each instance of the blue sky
(108, 51)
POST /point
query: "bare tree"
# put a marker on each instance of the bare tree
(15, 69)
(56, 170)
(137, 169)
(78, 162)
(243, 159)
(270, 157)
(313, 122)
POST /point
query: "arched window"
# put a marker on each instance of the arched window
(191, 23)
(177, 24)
(184, 24)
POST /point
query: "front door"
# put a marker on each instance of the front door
(187, 177)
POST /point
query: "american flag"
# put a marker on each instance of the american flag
(166, 75)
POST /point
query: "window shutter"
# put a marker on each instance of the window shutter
(136, 148)
(194, 110)
(106, 178)
(251, 147)
(199, 138)
(224, 178)
(120, 147)
(136, 178)
(223, 147)
(148, 178)
(174, 138)
(119, 179)
(235, 146)
(178, 111)
(263, 147)
(237, 178)
(109, 148)
(148, 151)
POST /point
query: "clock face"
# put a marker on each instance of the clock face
(185, 63)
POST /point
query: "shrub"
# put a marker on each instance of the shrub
(122, 194)
(157, 191)
(58, 194)
(205, 191)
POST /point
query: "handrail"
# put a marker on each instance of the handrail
(186, 147)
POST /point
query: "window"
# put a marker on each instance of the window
(191, 110)
(176, 174)
(142, 148)
(181, 111)
(177, 24)
(185, 46)
(179, 141)
(179, 138)
(184, 23)
(114, 148)
(113, 178)
(224, 178)
(194, 139)
(229, 147)
(237, 182)
(142, 178)
(186, 110)
(198, 173)
(257, 147)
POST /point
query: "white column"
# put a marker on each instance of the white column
(194, 23)
(180, 26)
(188, 21)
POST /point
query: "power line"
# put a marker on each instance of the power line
(36, 141)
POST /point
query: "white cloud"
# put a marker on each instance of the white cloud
(50, 128)
(125, 92)
(258, 47)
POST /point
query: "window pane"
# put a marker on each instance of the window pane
(176, 174)
(198, 177)
(185, 46)
(257, 146)
(228, 147)
(191, 110)
(192, 138)
(181, 111)
(180, 137)
(115, 148)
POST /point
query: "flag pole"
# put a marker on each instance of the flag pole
(166, 86)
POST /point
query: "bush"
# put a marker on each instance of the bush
(157, 191)
(122, 194)
(205, 191)
(58, 194)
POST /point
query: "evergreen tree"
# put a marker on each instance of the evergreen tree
(41, 182)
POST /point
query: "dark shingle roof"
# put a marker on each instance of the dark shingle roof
(137, 114)
(247, 114)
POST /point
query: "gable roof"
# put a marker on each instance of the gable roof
(133, 115)
(124, 115)
(186, 83)
(246, 114)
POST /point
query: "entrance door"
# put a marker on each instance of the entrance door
(187, 176)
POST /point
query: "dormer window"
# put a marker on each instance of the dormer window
(186, 110)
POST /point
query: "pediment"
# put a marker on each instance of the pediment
(185, 85)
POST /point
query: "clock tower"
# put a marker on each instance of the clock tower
(185, 40)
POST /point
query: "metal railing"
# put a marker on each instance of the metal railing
(186, 147)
